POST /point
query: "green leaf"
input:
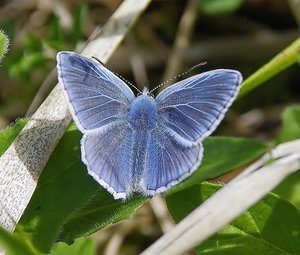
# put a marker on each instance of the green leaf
(67, 202)
(223, 154)
(272, 226)
(290, 124)
(98, 213)
(81, 246)
(16, 245)
(219, 7)
(290, 188)
(8, 135)
(4, 42)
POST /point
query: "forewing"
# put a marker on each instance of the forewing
(108, 156)
(96, 96)
(168, 162)
(191, 109)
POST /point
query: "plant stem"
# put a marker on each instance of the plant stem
(283, 60)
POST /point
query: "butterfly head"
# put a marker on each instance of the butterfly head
(146, 92)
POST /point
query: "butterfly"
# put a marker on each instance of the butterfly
(141, 143)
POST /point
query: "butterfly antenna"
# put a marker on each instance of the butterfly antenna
(178, 76)
(118, 75)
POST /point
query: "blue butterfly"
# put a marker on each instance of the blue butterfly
(142, 144)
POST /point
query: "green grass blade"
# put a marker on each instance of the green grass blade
(283, 60)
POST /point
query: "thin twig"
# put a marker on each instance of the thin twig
(116, 240)
(185, 30)
(139, 70)
(162, 214)
(227, 204)
(24, 160)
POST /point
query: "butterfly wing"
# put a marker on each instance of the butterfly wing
(96, 96)
(108, 156)
(188, 112)
(98, 101)
(191, 109)
(168, 162)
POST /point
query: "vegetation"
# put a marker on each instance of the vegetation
(69, 213)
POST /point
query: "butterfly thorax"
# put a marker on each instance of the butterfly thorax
(143, 113)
